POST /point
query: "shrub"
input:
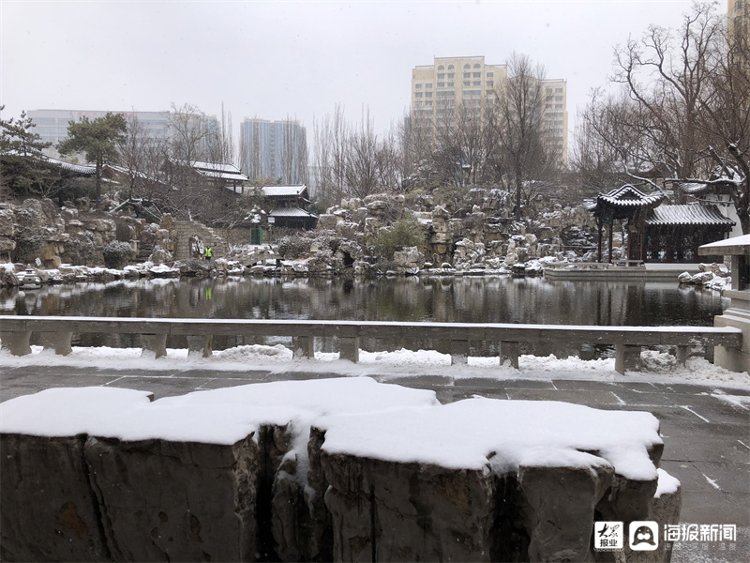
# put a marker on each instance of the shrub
(116, 254)
(404, 232)
(292, 247)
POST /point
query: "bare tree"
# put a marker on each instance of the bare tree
(329, 157)
(687, 110)
(667, 77)
(516, 119)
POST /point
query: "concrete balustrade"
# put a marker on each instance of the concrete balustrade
(16, 331)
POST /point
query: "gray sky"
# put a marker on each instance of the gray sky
(278, 59)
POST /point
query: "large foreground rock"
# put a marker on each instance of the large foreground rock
(341, 469)
(176, 501)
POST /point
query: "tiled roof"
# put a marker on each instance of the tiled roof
(218, 170)
(215, 166)
(284, 191)
(629, 196)
(291, 212)
(697, 214)
(85, 169)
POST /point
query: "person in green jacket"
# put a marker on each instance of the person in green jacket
(208, 253)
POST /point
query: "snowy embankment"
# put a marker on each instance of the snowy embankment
(658, 367)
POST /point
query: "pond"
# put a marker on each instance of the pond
(444, 299)
(441, 299)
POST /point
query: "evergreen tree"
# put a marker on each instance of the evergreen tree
(98, 139)
(23, 168)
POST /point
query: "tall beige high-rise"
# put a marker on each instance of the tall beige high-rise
(450, 82)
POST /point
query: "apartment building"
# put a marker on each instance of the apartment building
(450, 82)
(52, 124)
(273, 150)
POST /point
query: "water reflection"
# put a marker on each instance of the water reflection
(470, 299)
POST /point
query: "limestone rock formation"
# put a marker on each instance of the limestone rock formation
(320, 470)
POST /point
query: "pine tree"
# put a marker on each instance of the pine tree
(98, 139)
(23, 168)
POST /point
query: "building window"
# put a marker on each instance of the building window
(441, 67)
(467, 82)
(477, 83)
(490, 84)
(451, 76)
(450, 67)
(467, 65)
(477, 75)
(558, 90)
(417, 94)
(490, 75)
(441, 84)
(428, 94)
(441, 76)
(477, 65)
(418, 86)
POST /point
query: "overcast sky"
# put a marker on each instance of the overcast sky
(279, 59)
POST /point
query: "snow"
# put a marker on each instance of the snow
(659, 367)
(743, 240)
(360, 417)
(667, 485)
(741, 401)
(67, 412)
(464, 434)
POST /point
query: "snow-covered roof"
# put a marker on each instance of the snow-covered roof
(629, 196)
(284, 191)
(85, 169)
(696, 214)
(291, 212)
(215, 166)
(219, 170)
(729, 247)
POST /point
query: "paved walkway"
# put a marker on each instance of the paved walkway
(707, 437)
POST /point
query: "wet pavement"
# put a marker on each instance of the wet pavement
(706, 429)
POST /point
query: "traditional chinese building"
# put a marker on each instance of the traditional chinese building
(657, 232)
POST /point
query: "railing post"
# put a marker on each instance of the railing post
(302, 347)
(459, 352)
(155, 344)
(59, 341)
(349, 348)
(509, 353)
(17, 343)
(200, 344)
(627, 357)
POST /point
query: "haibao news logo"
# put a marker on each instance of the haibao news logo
(643, 535)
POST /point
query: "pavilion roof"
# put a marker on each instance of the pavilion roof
(628, 196)
(695, 214)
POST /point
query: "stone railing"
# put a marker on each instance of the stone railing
(325, 470)
(57, 332)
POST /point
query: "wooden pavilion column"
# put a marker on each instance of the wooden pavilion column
(611, 226)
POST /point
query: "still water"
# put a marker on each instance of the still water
(467, 299)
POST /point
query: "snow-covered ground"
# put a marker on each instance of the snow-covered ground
(659, 367)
